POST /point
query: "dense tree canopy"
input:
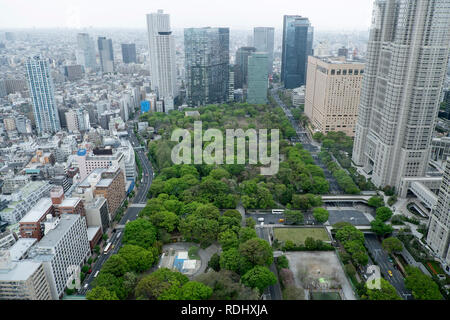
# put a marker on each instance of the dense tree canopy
(421, 285)
(140, 232)
(386, 292)
(392, 245)
(259, 277)
(321, 215)
(101, 293)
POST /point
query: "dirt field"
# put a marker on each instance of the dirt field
(319, 270)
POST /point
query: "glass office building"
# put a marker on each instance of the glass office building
(207, 65)
(258, 77)
(297, 46)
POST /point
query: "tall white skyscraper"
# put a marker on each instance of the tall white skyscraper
(263, 41)
(439, 229)
(407, 57)
(162, 55)
(85, 53)
(42, 95)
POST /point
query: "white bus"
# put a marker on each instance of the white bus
(277, 211)
(107, 248)
(96, 274)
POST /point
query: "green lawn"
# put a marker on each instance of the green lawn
(298, 235)
(325, 296)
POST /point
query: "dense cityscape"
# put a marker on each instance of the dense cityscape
(95, 206)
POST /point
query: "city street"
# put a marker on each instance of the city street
(130, 214)
(306, 142)
(382, 259)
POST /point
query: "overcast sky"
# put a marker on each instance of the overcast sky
(238, 14)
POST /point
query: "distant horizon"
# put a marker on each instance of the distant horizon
(324, 15)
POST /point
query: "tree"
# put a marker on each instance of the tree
(226, 286)
(392, 245)
(230, 260)
(165, 219)
(137, 258)
(349, 232)
(380, 228)
(116, 265)
(228, 239)
(386, 292)
(383, 213)
(140, 232)
(199, 229)
(247, 234)
(250, 223)
(259, 277)
(257, 251)
(376, 202)
(112, 283)
(194, 290)
(163, 284)
(214, 262)
(294, 217)
(321, 215)
(310, 244)
(422, 286)
(282, 262)
(101, 293)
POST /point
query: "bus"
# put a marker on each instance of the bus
(107, 248)
(96, 274)
(277, 211)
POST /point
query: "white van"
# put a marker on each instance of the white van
(260, 219)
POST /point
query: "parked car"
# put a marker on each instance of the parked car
(390, 273)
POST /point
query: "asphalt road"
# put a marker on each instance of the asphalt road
(355, 217)
(130, 215)
(275, 290)
(381, 257)
(304, 139)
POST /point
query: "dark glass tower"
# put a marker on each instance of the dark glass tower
(207, 61)
(297, 46)
(129, 53)
(241, 68)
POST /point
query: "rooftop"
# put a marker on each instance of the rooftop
(92, 232)
(21, 247)
(20, 270)
(104, 183)
(52, 238)
(70, 202)
(37, 211)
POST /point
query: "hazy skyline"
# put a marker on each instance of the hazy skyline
(238, 14)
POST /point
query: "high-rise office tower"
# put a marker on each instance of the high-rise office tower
(105, 51)
(439, 228)
(163, 73)
(333, 88)
(85, 53)
(258, 78)
(297, 46)
(263, 41)
(241, 66)
(407, 58)
(128, 53)
(207, 64)
(42, 94)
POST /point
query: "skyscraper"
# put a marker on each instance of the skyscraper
(85, 53)
(407, 58)
(241, 66)
(297, 46)
(41, 88)
(105, 51)
(128, 53)
(333, 89)
(263, 41)
(162, 55)
(439, 229)
(207, 64)
(258, 78)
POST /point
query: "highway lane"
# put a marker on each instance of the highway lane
(130, 215)
(382, 258)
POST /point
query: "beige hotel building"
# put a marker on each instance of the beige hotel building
(333, 86)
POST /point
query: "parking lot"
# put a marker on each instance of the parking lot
(355, 217)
